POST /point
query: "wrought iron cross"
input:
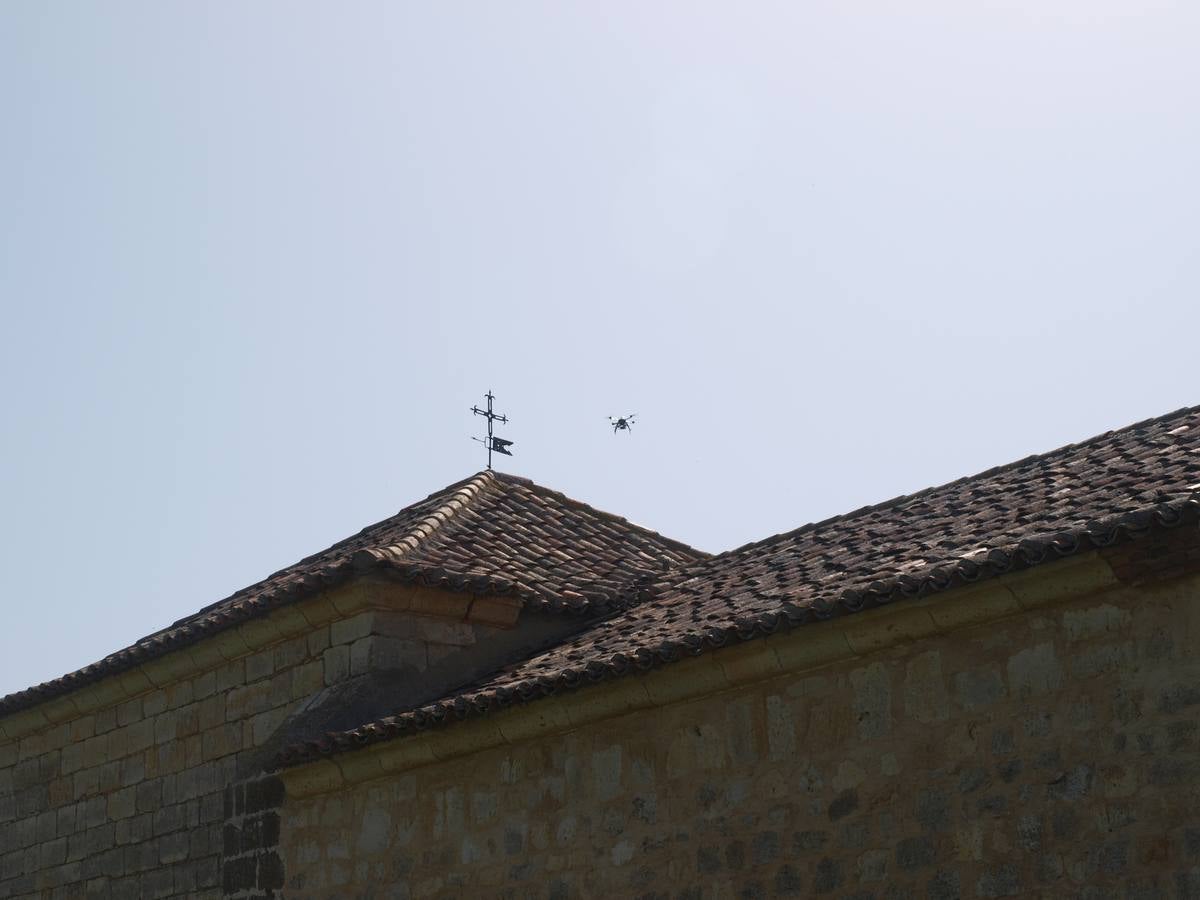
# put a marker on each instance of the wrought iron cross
(500, 445)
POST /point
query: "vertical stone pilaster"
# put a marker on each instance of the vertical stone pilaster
(251, 868)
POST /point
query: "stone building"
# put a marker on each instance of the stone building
(985, 689)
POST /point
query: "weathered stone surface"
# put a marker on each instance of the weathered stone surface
(1048, 754)
(925, 697)
(1034, 670)
(126, 800)
(834, 784)
(872, 700)
(978, 688)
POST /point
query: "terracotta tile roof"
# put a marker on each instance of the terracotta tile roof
(1106, 490)
(490, 534)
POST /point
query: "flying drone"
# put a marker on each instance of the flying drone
(624, 423)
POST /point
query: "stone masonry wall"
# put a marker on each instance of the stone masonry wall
(1052, 754)
(139, 798)
(129, 801)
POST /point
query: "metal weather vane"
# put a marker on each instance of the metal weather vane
(499, 445)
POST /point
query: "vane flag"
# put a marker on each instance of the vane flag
(494, 444)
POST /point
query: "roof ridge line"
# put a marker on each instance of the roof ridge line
(460, 499)
(896, 501)
(570, 501)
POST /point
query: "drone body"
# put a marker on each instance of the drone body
(623, 423)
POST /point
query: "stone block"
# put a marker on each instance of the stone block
(132, 682)
(924, 689)
(154, 703)
(121, 804)
(173, 848)
(1088, 662)
(781, 729)
(497, 612)
(239, 875)
(1035, 671)
(1001, 881)
(230, 644)
(221, 740)
(685, 680)
(314, 778)
(138, 736)
(80, 729)
(169, 818)
(872, 700)
(811, 646)
(96, 750)
(266, 723)
(978, 688)
(106, 719)
(210, 712)
(881, 628)
(290, 653)
(260, 631)
(945, 885)
(606, 772)
(347, 631)
(179, 694)
(249, 700)
(607, 700)
(47, 824)
(187, 719)
(1083, 624)
(270, 872)
(86, 782)
(133, 770)
(317, 642)
(843, 805)
(166, 727)
(308, 679)
(828, 876)
(204, 685)
(149, 799)
(969, 606)
(1060, 581)
(336, 661)
(72, 758)
(740, 730)
(193, 751)
(915, 853)
(52, 853)
(873, 866)
(231, 675)
(65, 815)
(748, 662)
(259, 666)
(378, 653)
(436, 631)
(933, 809)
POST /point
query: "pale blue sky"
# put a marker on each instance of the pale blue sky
(257, 260)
